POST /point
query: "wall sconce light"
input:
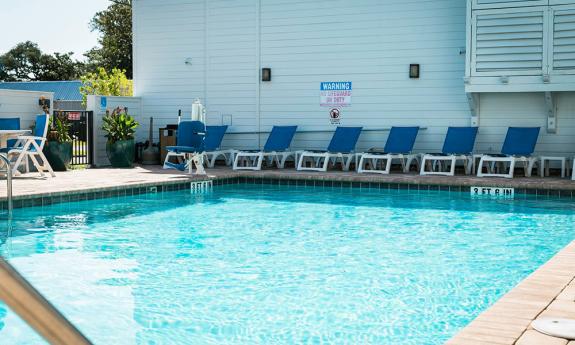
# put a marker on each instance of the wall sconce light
(504, 79)
(188, 61)
(266, 74)
(414, 71)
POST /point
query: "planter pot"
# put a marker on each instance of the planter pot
(121, 153)
(59, 155)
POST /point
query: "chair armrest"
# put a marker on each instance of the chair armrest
(30, 137)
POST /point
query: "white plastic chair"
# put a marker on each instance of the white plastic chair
(30, 148)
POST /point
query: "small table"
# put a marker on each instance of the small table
(544, 170)
(6, 134)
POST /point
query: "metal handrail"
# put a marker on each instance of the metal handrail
(27, 302)
(9, 184)
(33, 308)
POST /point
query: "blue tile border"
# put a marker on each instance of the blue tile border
(74, 196)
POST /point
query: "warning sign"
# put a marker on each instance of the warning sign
(335, 93)
(335, 116)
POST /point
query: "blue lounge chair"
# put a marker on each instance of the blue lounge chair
(9, 124)
(190, 139)
(518, 147)
(276, 150)
(341, 147)
(30, 147)
(458, 146)
(214, 137)
(398, 146)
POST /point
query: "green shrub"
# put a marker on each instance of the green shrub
(119, 125)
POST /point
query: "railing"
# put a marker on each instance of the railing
(33, 308)
(27, 302)
(9, 185)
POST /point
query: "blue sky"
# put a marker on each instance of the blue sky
(56, 25)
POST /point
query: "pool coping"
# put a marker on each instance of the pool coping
(547, 292)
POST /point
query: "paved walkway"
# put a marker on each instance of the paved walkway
(549, 291)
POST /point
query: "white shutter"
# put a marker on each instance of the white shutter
(508, 42)
(561, 2)
(563, 55)
(487, 4)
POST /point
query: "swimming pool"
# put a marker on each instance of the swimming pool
(265, 264)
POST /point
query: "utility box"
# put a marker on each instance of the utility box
(167, 138)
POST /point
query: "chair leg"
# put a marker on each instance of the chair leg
(300, 162)
(325, 163)
(424, 163)
(348, 163)
(259, 160)
(452, 167)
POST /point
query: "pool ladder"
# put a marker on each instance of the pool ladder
(27, 302)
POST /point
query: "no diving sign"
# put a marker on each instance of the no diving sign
(335, 116)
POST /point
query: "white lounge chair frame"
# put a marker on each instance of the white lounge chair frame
(212, 157)
(245, 160)
(26, 147)
(191, 159)
(432, 161)
(321, 160)
(371, 160)
(528, 164)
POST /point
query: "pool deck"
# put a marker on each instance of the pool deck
(30, 185)
(549, 291)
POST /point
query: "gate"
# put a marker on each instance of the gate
(81, 131)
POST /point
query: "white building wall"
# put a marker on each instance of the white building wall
(368, 42)
(22, 104)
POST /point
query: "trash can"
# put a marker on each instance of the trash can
(167, 138)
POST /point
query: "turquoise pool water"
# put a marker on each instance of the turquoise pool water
(279, 265)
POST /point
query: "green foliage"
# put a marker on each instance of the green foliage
(105, 84)
(119, 125)
(59, 128)
(26, 62)
(115, 44)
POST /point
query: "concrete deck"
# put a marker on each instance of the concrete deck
(549, 291)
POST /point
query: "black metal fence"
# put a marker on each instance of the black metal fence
(81, 131)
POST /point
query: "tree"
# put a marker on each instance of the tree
(26, 62)
(105, 84)
(115, 43)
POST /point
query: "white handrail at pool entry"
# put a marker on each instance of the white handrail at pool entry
(9, 205)
(33, 308)
(27, 302)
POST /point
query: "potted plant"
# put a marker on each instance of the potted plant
(120, 128)
(58, 146)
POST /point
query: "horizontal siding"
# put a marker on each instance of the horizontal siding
(368, 42)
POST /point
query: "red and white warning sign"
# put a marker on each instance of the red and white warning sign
(335, 116)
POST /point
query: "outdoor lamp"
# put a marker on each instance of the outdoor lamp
(266, 74)
(414, 71)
